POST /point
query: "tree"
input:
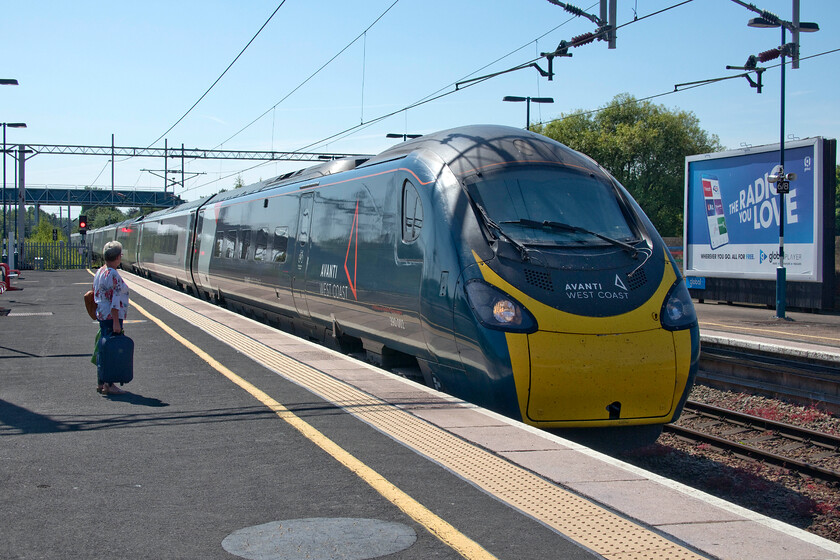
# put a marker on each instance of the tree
(239, 183)
(644, 146)
(137, 212)
(43, 232)
(100, 216)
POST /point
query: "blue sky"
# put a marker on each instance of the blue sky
(91, 69)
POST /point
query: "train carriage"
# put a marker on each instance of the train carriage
(503, 267)
(98, 238)
(128, 234)
(164, 250)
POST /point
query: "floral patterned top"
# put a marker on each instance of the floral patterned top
(109, 292)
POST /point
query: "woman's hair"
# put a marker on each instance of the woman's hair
(112, 250)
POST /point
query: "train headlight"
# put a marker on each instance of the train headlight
(497, 310)
(505, 311)
(678, 309)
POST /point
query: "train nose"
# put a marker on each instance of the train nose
(615, 377)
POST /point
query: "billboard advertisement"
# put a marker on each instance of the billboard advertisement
(733, 213)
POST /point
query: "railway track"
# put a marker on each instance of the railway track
(805, 451)
(797, 380)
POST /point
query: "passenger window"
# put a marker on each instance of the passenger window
(245, 244)
(261, 244)
(218, 243)
(412, 213)
(281, 244)
(230, 244)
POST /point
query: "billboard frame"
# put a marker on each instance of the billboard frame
(745, 281)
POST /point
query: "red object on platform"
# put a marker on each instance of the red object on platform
(7, 276)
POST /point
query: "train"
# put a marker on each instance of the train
(488, 262)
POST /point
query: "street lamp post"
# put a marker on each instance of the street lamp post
(782, 179)
(403, 136)
(10, 125)
(5, 82)
(528, 100)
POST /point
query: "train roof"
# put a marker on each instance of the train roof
(465, 150)
(469, 149)
(306, 174)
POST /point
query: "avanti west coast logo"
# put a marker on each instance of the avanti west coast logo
(596, 290)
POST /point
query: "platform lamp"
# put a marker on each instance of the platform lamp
(528, 100)
(10, 125)
(403, 136)
(780, 178)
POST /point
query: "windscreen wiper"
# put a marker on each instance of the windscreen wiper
(548, 224)
(491, 225)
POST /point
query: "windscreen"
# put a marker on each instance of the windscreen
(560, 195)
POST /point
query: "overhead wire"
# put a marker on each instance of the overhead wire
(481, 79)
(435, 96)
(203, 95)
(438, 95)
(208, 89)
(289, 94)
(273, 107)
(429, 98)
(688, 86)
(315, 73)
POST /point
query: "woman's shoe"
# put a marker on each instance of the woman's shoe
(112, 389)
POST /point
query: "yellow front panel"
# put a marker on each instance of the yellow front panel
(576, 377)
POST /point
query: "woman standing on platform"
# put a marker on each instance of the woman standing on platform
(110, 293)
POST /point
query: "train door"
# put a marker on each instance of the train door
(302, 254)
(407, 277)
(206, 233)
(194, 245)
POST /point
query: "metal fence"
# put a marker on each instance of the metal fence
(53, 256)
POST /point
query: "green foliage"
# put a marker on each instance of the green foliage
(644, 146)
(101, 216)
(142, 211)
(46, 221)
(43, 233)
(239, 183)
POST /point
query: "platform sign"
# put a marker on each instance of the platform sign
(732, 213)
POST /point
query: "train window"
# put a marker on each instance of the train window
(281, 244)
(520, 200)
(261, 244)
(412, 213)
(245, 243)
(218, 243)
(168, 243)
(229, 244)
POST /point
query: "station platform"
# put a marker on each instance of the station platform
(812, 336)
(239, 441)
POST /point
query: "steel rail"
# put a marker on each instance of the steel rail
(790, 431)
(754, 453)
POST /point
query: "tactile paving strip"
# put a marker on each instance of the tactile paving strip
(588, 524)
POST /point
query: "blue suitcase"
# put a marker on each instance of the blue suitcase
(116, 358)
